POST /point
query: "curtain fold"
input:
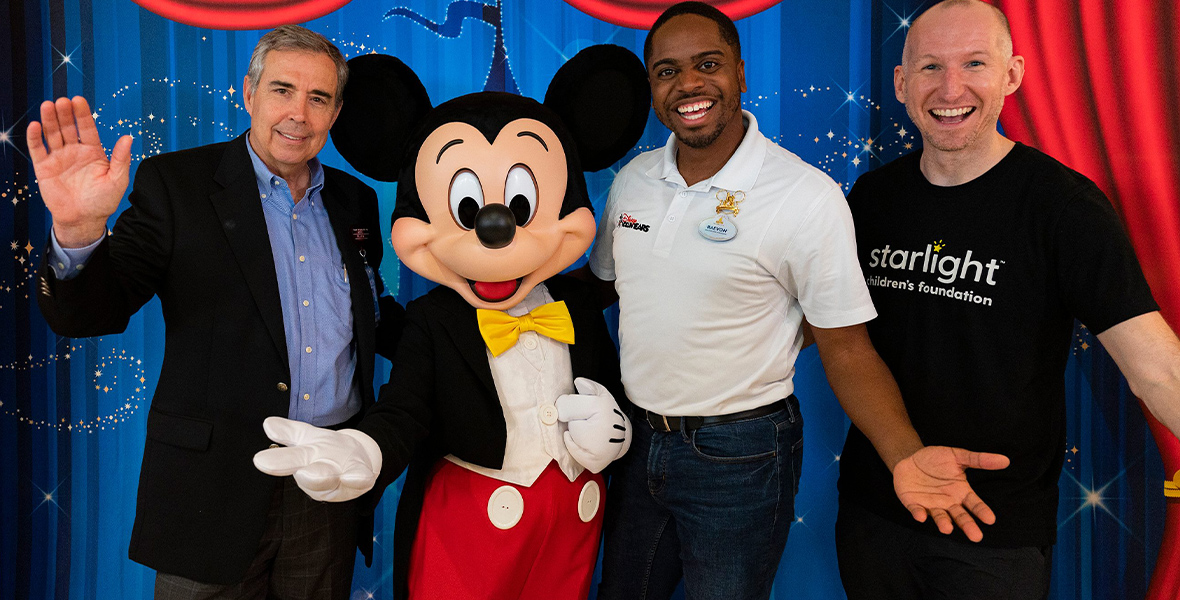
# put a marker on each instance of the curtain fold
(1100, 95)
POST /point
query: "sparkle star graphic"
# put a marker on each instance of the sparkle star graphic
(1094, 499)
(6, 142)
(48, 497)
(66, 59)
(903, 22)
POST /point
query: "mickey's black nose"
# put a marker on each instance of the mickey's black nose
(495, 225)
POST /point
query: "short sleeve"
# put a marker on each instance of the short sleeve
(820, 267)
(1100, 279)
(602, 258)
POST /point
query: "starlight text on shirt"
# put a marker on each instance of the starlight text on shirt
(949, 268)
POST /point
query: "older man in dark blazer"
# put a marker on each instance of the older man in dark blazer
(265, 263)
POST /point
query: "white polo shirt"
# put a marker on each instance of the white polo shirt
(713, 328)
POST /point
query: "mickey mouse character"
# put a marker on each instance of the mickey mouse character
(503, 399)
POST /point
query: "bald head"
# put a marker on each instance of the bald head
(989, 16)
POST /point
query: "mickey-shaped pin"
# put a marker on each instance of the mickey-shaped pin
(504, 395)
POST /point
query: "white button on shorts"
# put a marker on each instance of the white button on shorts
(505, 507)
(588, 501)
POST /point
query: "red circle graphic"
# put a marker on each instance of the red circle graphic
(240, 14)
(640, 14)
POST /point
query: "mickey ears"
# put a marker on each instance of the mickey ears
(602, 95)
(384, 103)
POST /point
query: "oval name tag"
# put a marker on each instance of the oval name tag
(718, 229)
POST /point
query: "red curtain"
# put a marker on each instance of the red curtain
(1100, 94)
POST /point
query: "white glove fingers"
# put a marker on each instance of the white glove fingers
(281, 461)
(318, 478)
(358, 478)
(620, 434)
(572, 407)
(626, 435)
(589, 387)
(588, 459)
(287, 432)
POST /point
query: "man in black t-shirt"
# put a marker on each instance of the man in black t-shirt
(979, 254)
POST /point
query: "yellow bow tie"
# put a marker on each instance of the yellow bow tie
(500, 330)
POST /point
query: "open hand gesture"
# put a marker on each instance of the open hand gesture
(329, 466)
(933, 481)
(80, 186)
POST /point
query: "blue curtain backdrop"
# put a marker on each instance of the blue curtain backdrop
(73, 411)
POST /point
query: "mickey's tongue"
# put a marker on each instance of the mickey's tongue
(494, 291)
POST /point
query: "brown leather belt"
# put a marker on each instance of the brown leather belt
(664, 424)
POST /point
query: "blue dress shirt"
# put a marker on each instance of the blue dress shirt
(313, 291)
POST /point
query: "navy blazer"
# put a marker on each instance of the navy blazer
(195, 236)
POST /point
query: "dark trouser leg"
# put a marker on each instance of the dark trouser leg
(641, 557)
(731, 489)
(880, 558)
(306, 552)
(875, 556)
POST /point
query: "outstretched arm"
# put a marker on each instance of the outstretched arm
(1148, 354)
(929, 480)
(80, 186)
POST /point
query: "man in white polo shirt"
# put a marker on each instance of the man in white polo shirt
(718, 246)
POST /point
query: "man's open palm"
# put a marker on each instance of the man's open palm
(933, 481)
(80, 186)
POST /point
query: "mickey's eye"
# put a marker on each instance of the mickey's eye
(466, 198)
(520, 194)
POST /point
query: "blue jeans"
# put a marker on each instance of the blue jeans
(713, 505)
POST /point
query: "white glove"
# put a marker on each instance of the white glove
(330, 466)
(599, 432)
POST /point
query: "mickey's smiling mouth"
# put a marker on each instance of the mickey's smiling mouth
(494, 291)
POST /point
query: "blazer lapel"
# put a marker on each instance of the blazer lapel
(240, 211)
(582, 350)
(460, 323)
(343, 216)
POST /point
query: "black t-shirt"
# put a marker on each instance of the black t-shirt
(977, 287)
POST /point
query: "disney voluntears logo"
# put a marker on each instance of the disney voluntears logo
(626, 220)
(947, 268)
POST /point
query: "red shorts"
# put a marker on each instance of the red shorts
(486, 539)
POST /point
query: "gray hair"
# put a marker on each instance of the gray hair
(294, 37)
